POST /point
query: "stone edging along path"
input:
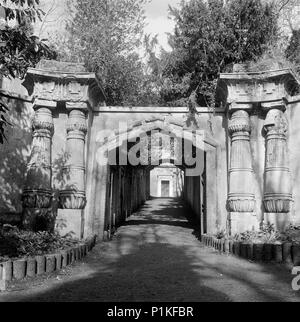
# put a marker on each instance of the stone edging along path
(38, 265)
(276, 252)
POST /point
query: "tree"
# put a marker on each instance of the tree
(105, 35)
(293, 50)
(210, 36)
(19, 48)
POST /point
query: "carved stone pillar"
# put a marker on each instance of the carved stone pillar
(241, 197)
(277, 186)
(73, 194)
(37, 193)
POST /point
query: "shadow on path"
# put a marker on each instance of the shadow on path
(156, 257)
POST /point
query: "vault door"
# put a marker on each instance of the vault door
(165, 189)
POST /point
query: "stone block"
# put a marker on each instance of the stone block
(250, 251)
(244, 250)
(70, 221)
(58, 258)
(287, 253)
(277, 252)
(7, 271)
(3, 285)
(258, 251)
(237, 248)
(64, 255)
(296, 254)
(40, 265)
(50, 263)
(19, 269)
(31, 267)
(230, 246)
(268, 252)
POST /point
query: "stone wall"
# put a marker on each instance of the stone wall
(15, 152)
(294, 157)
(249, 156)
(127, 192)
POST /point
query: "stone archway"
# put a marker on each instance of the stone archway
(110, 170)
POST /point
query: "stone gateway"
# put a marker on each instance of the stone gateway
(89, 165)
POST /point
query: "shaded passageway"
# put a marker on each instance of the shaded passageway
(156, 256)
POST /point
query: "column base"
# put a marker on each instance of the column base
(241, 222)
(237, 204)
(278, 205)
(281, 221)
(70, 221)
(72, 200)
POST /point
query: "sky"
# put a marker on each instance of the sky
(157, 19)
(156, 12)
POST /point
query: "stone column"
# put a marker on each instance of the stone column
(72, 197)
(241, 198)
(277, 185)
(73, 194)
(37, 193)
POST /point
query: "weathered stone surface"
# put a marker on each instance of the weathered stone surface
(19, 269)
(243, 250)
(31, 269)
(296, 254)
(63, 82)
(252, 87)
(7, 270)
(237, 248)
(277, 186)
(67, 67)
(277, 252)
(287, 252)
(41, 265)
(241, 197)
(72, 196)
(50, 263)
(38, 188)
(70, 221)
(65, 89)
(58, 260)
(268, 252)
(64, 255)
(258, 252)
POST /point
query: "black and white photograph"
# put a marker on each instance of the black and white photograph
(149, 154)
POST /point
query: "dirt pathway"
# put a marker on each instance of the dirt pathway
(156, 257)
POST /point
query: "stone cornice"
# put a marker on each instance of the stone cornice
(266, 87)
(64, 84)
(42, 74)
(259, 76)
(158, 109)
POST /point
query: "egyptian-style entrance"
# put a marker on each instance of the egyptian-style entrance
(129, 156)
(90, 163)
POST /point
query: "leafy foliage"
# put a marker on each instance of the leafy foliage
(19, 48)
(21, 10)
(293, 49)
(105, 35)
(18, 243)
(210, 36)
(268, 234)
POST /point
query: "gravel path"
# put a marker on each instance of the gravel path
(156, 256)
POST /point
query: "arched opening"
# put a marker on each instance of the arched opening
(166, 181)
(152, 160)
